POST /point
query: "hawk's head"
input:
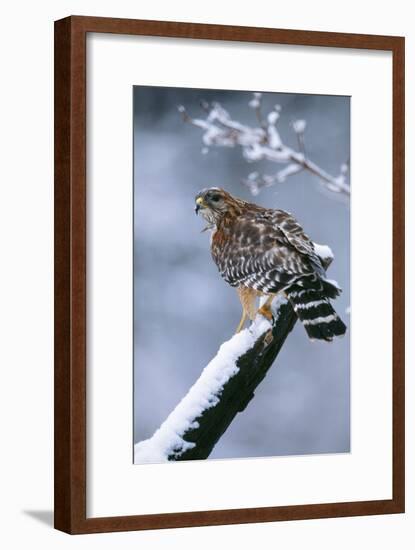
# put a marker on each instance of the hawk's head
(215, 203)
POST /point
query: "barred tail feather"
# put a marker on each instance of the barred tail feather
(315, 311)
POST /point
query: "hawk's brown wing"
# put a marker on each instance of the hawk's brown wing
(264, 249)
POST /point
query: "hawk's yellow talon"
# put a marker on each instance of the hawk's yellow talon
(266, 312)
(265, 309)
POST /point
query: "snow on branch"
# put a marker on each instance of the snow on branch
(224, 388)
(263, 142)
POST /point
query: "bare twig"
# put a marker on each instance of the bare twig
(256, 104)
(299, 127)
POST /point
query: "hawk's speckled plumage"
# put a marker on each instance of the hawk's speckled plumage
(262, 251)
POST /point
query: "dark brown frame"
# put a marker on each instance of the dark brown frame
(70, 274)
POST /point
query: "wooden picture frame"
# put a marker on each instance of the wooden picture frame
(70, 274)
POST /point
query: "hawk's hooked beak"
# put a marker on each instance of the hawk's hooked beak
(199, 204)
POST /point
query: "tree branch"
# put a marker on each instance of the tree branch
(263, 143)
(225, 387)
(238, 392)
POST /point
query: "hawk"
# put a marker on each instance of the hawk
(263, 251)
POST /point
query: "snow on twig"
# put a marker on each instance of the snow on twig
(263, 142)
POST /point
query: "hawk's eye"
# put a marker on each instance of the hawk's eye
(215, 198)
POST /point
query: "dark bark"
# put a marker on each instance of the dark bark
(238, 391)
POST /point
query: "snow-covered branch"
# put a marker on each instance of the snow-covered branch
(224, 388)
(263, 142)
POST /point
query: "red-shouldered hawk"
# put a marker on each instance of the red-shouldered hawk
(262, 251)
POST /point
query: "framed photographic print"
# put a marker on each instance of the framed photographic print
(244, 364)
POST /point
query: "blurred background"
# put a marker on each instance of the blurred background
(183, 310)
